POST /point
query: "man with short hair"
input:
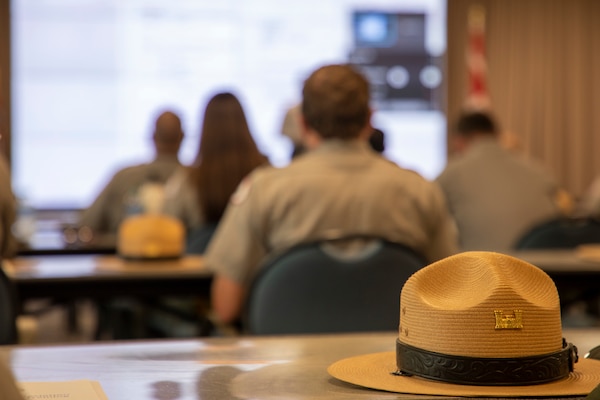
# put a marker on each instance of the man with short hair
(494, 194)
(340, 187)
(108, 210)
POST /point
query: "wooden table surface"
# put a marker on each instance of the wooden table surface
(561, 261)
(278, 367)
(577, 278)
(75, 276)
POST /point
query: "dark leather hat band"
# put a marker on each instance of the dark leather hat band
(530, 370)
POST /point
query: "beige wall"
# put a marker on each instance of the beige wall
(542, 72)
(543, 63)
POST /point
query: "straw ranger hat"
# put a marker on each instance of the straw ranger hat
(477, 324)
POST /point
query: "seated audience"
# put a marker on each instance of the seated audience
(8, 205)
(109, 209)
(227, 153)
(197, 195)
(494, 194)
(339, 187)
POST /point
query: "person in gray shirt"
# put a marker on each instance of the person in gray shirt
(339, 187)
(108, 210)
(494, 194)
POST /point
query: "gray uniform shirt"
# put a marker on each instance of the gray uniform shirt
(338, 189)
(108, 209)
(495, 196)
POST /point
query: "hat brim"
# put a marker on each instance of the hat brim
(375, 371)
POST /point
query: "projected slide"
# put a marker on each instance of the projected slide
(89, 76)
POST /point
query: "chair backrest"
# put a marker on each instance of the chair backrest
(561, 233)
(197, 240)
(8, 310)
(318, 288)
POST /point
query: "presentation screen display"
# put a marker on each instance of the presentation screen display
(90, 76)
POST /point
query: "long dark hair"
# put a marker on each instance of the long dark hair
(226, 155)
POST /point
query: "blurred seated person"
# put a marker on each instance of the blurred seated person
(227, 153)
(109, 209)
(339, 187)
(8, 205)
(292, 129)
(494, 193)
(198, 195)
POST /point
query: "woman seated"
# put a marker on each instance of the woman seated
(198, 194)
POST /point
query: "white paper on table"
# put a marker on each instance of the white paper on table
(71, 390)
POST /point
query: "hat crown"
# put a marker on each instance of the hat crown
(481, 304)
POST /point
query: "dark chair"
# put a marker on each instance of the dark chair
(566, 233)
(197, 240)
(561, 233)
(8, 310)
(318, 288)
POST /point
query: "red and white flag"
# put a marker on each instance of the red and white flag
(477, 91)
